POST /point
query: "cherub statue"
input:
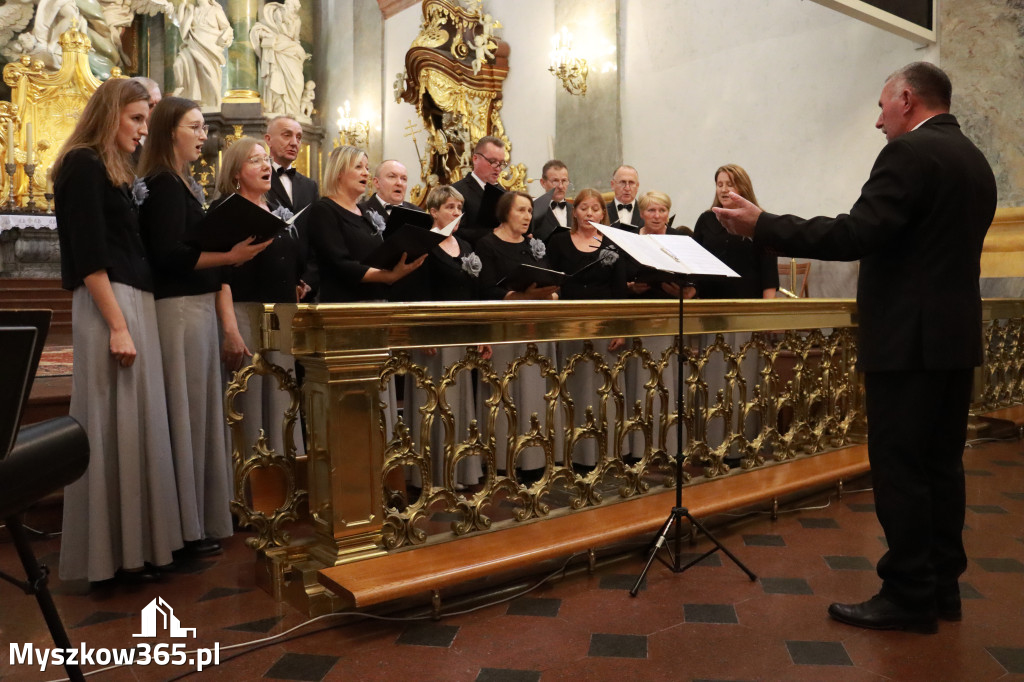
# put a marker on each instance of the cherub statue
(306, 108)
(484, 49)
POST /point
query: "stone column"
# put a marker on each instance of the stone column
(172, 42)
(241, 77)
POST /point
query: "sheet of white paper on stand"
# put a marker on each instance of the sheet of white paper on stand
(668, 252)
(447, 229)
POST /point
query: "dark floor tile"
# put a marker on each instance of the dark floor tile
(861, 507)
(967, 591)
(711, 560)
(102, 617)
(818, 653)
(764, 541)
(618, 646)
(996, 565)
(1010, 658)
(819, 523)
(429, 635)
(505, 675)
(528, 606)
(710, 613)
(1015, 496)
(986, 509)
(619, 581)
(221, 592)
(1008, 462)
(193, 566)
(786, 586)
(849, 563)
(978, 472)
(305, 667)
(262, 626)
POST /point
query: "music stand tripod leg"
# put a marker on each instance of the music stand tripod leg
(679, 511)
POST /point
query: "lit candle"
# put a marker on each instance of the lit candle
(49, 180)
(28, 143)
(10, 141)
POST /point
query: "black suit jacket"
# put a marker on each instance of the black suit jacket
(304, 192)
(544, 222)
(374, 205)
(472, 193)
(918, 229)
(613, 214)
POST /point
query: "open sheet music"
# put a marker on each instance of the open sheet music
(667, 252)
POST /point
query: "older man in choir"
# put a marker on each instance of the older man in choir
(624, 211)
(488, 162)
(390, 182)
(288, 187)
(551, 212)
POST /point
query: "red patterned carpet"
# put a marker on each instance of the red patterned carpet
(56, 362)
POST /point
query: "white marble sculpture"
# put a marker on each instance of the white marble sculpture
(15, 15)
(275, 39)
(307, 107)
(199, 64)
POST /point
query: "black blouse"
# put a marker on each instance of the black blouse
(446, 277)
(500, 259)
(757, 270)
(169, 213)
(340, 240)
(97, 225)
(604, 276)
(270, 277)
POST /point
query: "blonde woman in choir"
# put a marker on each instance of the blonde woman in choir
(121, 517)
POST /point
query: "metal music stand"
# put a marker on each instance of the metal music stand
(680, 256)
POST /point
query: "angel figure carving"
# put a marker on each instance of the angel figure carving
(15, 15)
(275, 40)
(199, 64)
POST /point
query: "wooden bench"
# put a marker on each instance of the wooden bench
(434, 567)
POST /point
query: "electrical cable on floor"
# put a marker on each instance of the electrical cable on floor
(257, 644)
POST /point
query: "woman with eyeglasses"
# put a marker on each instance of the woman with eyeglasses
(273, 276)
(190, 298)
(121, 517)
(341, 235)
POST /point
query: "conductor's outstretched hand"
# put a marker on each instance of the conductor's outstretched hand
(740, 219)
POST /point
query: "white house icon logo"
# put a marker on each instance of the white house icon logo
(159, 612)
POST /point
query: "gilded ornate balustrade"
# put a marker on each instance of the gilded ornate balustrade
(764, 382)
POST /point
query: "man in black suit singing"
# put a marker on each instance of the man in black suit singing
(390, 181)
(488, 162)
(551, 211)
(292, 189)
(917, 229)
(624, 210)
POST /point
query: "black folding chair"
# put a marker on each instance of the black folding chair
(36, 460)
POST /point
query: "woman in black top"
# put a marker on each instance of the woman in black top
(454, 269)
(121, 517)
(758, 271)
(503, 250)
(342, 236)
(191, 297)
(655, 207)
(583, 250)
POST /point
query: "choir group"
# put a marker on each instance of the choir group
(155, 317)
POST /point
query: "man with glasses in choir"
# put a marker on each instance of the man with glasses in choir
(488, 162)
(551, 211)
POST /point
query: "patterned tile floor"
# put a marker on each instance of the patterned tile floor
(709, 623)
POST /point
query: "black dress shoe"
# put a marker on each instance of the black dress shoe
(138, 576)
(196, 549)
(878, 613)
(948, 606)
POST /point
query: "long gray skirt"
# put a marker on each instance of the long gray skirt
(190, 341)
(123, 512)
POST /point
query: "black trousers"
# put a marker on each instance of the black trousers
(917, 429)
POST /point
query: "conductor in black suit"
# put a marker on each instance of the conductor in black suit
(390, 181)
(488, 162)
(551, 211)
(624, 209)
(917, 229)
(289, 188)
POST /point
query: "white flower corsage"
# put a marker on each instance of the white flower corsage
(537, 248)
(139, 191)
(378, 222)
(607, 257)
